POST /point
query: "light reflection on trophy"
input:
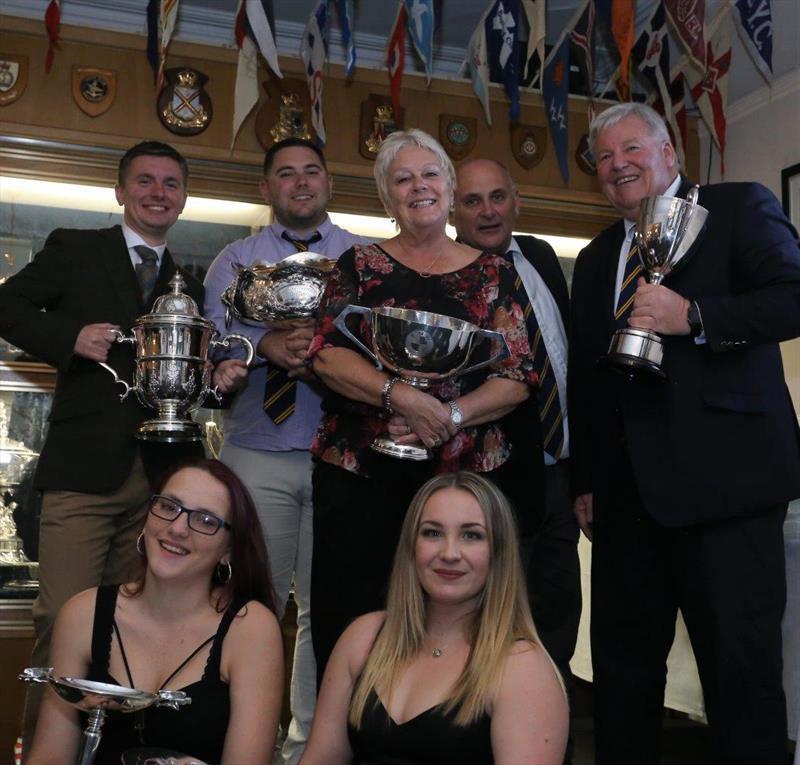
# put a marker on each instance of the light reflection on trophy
(289, 289)
(666, 229)
(16, 571)
(421, 348)
(98, 699)
(172, 375)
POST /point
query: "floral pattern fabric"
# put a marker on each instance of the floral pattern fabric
(481, 293)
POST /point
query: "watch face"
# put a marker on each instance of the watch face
(455, 414)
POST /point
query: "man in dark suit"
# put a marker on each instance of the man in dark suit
(683, 483)
(486, 209)
(64, 308)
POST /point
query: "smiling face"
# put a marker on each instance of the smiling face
(419, 192)
(153, 195)
(486, 207)
(298, 188)
(633, 164)
(175, 550)
(452, 552)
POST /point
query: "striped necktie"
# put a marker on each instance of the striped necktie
(633, 269)
(280, 392)
(550, 414)
(146, 271)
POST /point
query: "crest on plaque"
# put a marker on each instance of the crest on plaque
(284, 113)
(93, 89)
(184, 108)
(528, 144)
(584, 157)
(377, 121)
(13, 77)
(457, 134)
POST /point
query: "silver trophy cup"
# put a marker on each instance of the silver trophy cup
(98, 699)
(666, 229)
(172, 347)
(288, 289)
(420, 348)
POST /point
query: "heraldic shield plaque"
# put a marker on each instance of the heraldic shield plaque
(184, 108)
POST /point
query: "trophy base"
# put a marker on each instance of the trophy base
(400, 451)
(169, 431)
(633, 351)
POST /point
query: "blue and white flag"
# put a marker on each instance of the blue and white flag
(420, 27)
(755, 29)
(502, 30)
(259, 23)
(651, 54)
(477, 64)
(345, 8)
(555, 91)
(314, 52)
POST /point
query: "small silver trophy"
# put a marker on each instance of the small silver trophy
(98, 699)
(420, 348)
(666, 229)
(172, 376)
(289, 289)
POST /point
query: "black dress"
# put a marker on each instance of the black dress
(197, 729)
(430, 738)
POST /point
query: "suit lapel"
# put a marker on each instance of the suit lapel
(120, 271)
(612, 254)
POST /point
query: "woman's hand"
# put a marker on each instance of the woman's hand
(419, 418)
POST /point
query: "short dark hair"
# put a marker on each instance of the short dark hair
(287, 143)
(151, 149)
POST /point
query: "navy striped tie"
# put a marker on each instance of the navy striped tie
(146, 271)
(550, 414)
(280, 391)
(633, 270)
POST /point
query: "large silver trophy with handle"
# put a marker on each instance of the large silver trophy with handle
(421, 348)
(289, 289)
(172, 374)
(98, 699)
(665, 230)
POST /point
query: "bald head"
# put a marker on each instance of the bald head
(486, 205)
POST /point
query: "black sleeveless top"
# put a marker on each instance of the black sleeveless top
(197, 729)
(430, 738)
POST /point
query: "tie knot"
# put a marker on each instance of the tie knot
(302, 244)
(147, 254)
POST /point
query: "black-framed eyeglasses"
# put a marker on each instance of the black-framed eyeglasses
(201, 521)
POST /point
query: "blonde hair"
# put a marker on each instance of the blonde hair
(503, 615)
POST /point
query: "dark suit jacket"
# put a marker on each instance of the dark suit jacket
(79, 278)
(719, 438)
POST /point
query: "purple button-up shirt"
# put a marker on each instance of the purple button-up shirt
(246, 424)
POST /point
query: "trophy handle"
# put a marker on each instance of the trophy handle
(36, 675)
(341, 324)
(117, 379)
(245, 341)
(503, 353)
(172, 699)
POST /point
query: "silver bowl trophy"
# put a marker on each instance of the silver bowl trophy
(665, 230)
(16, 571)
(420, 348)
(172, 376)
(98, 699)
(289, 289)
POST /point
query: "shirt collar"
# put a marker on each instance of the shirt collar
(132, 239)
(324, 229)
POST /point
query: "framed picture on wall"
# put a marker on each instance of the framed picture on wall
(790, 193)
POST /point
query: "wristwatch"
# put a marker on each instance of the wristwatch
(695, 320)
(456, 415)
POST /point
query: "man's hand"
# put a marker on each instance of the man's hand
(230, 375)
(287, 347)
(583, 513)
(658, 308)
(94, 340)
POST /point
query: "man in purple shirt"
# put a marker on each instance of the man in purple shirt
(269, 427)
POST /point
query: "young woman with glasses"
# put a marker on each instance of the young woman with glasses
(200, 618)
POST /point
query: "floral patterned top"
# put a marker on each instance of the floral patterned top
(481, 293)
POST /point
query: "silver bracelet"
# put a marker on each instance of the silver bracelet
(386, 394)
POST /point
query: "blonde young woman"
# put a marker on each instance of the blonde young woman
(452, 671)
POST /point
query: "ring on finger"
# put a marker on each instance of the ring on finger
(408, 430)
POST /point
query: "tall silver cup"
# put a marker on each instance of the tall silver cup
(420, 348)
(665, 230)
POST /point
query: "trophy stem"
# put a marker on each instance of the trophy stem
(90, 741)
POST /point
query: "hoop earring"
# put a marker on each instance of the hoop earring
(140, 544)
(227, 568)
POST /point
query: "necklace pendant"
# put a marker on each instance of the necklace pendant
(436, 653)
